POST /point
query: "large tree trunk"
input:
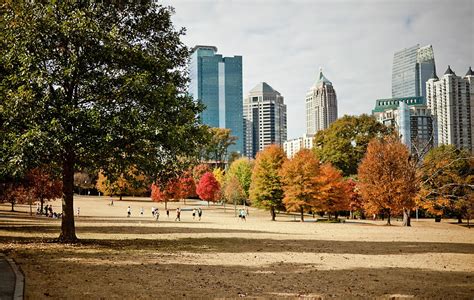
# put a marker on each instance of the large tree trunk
(68, 230)
(120, 197)
(406, 217)
(302, 214)
(272, 212)
(166, 205)
(459, 219)
(41, 210)
(13, 205)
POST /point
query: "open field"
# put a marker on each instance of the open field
(221, 256)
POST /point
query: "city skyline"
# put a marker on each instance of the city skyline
(353, 41)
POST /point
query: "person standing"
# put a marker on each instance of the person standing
(168, 213)
(129, 212)
(194, 213)
(157, 214)
(78, 211)
(141, 211)
(199, 213)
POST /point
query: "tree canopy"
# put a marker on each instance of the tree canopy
(388, 178)
(266, 188)
(93, 84)
(345, 142)
(241, 169)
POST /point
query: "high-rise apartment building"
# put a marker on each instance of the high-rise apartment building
(216, 81)
(412, 119)
(264, 119)
(451, 99)
(412, 67)
(321, 105)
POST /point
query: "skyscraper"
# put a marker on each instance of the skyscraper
(216, 81)
(411, 118)
(264, 119)
(412, 67)
(321, 105)
(451, 100)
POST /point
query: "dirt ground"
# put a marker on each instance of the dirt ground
(224, 257)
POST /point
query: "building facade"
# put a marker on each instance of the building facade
(291, 147)
(451, 99)
(412, 67)
(216, 82)
(264, 119)
(412, 119)
(321, 105)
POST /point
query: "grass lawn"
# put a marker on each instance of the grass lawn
(222, 256)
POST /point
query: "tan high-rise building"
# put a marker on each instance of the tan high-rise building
(321, 105)
(451, 100)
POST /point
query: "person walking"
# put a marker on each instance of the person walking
(168, 213)
(78, 211)
(178, 215)
(199, 213)
(153, 211)
(129, 212)
(157, 214)
(194, 213)
(141, 211)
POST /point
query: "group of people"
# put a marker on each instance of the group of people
(197, 212)
(47, 211)
(243, 213)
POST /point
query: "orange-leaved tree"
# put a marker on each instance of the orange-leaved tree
(266, 187)
(166, 191)
(43, 186)
(186, 186)
(333, 193)
(300, 182)
(208, 188)
(355, 199)
(388, 178)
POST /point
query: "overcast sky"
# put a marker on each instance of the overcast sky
(285, 42)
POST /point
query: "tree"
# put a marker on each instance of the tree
(300, 182)
(83, 181)
(165, 192)
(242, 170)
(355, 199)
(94, 84)
(233, 192)
(447, 181)
(216, 149)
(208, 188)
(266, 188)
(344, 143)
(43, 186)
(388, 178)
(334, 191)
(15, 193)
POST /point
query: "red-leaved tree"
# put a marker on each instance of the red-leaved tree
(208, 188)
(169, 192)
(187, 186)
(43, 187)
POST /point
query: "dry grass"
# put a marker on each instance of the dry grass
(220, 256)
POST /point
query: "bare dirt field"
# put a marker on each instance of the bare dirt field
(224, 257)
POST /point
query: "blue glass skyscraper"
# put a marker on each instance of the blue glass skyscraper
(216, 81)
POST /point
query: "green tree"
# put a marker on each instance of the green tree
(266, 188)
(100, 85)
(344, 143)
(242, 170)
(447, 181)
(219, 141)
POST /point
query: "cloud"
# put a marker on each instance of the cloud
(285, 42)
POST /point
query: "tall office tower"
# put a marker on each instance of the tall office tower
(412, 67)
(321, 105)
(264, 119)
(216, 82)
(451, 98)
(411, 118)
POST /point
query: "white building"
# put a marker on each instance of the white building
(451, 100)
(321, 105)
(264, 119)
(291, 147)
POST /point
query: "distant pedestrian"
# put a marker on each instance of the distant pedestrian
(199, 213)
(194, 213)
(168, 213)
(51, 211)
(242, 215)
(141, 211)
(178, 215)
(157, 214)
(78, 211)
(45, 210)
(129, 212)
(153, 211)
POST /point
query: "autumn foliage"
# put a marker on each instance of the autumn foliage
(208, 188)
(300, 182)
(266, 188)
(334, 191)
(388, 178)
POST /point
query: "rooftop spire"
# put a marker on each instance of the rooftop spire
(449, 71)
(321, 79)
(470, 72)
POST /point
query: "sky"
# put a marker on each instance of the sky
(284, 43)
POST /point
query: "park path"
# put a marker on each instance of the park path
(11, 279)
